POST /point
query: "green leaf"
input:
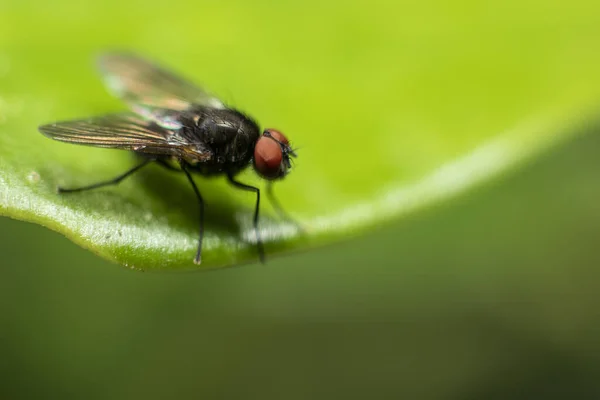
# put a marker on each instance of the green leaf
(394, 108)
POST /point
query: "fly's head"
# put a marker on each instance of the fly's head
(272, 155)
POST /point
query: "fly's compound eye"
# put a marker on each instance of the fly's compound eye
(272, 154)
(278, 136)
(267, 158)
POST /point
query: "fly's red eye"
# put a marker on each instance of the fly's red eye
(268, 157)
(280, 137)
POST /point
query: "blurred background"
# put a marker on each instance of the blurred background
(491, 294)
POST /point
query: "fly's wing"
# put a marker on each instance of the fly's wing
(148, 88)
(126, 131)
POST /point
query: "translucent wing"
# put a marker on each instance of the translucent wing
(145, 86)
(126, 131)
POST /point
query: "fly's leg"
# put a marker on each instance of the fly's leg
(279, 209)
(113, 181)
(259, 243)
(198, 258)
(165, 164)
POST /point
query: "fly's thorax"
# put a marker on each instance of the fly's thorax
(219, 139)
(229, 134)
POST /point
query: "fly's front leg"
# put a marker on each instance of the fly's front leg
(279, 209)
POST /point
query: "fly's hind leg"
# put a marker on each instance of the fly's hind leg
(110, 182)
(164, 163)
(198, 258)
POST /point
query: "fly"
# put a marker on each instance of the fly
(173, 119)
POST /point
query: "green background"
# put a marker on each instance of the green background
(461, 136)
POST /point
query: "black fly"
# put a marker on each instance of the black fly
(172, 120)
